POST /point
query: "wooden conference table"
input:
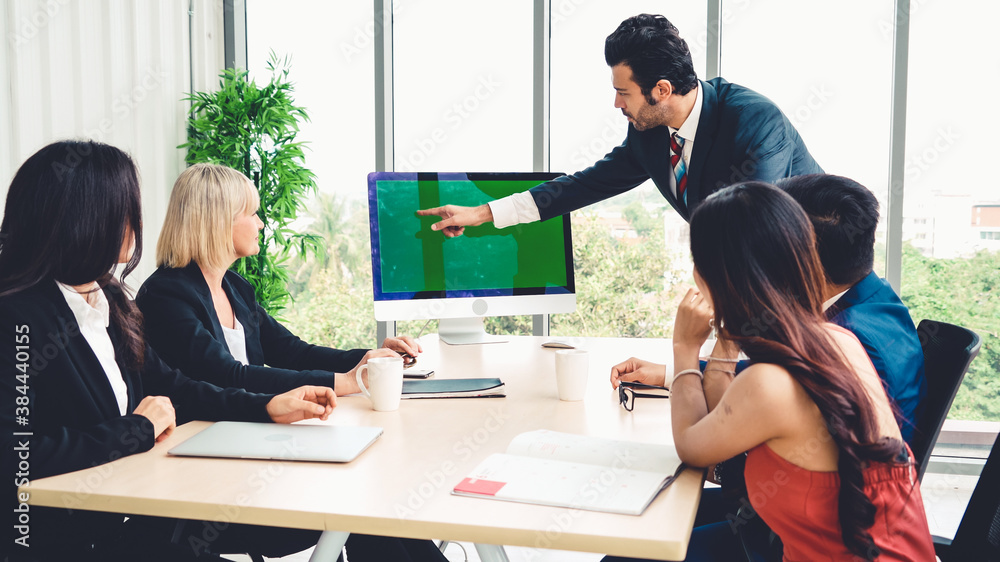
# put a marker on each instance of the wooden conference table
(401, 486)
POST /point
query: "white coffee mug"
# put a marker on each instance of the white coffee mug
(385, 382)
(572, 372)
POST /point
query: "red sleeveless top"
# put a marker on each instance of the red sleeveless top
(801, 507)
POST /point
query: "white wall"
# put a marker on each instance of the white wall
(109, 70)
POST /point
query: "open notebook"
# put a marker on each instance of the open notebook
(566, 470)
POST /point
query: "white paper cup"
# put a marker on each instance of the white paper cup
(572, 372)
(385, 382)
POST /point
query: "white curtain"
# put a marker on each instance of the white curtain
(109, 70)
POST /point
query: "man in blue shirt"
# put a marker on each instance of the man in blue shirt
(844, 215)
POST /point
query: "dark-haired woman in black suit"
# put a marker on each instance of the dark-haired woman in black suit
(78, 385)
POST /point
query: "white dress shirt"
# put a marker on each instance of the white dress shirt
(521, 208)
(236, 340)
(93, 321)
(829, 302)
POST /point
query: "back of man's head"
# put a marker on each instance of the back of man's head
(844, 215)
(652, 48)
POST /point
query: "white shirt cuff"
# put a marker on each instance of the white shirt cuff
(514, 209)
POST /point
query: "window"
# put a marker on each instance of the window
(630, 270)
(585, 123)
(781, 50)
(463, 102)
(332, 50)
(950, 275)
(462, 86)
(333, 64)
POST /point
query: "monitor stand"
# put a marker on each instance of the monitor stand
(465, 331)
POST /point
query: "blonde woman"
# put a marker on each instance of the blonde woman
(203, 318)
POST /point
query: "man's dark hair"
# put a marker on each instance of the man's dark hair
(651, 47)
(844, 215)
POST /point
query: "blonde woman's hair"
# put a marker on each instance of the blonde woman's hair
(199, 222)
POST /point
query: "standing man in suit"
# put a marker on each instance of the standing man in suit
(691, 137)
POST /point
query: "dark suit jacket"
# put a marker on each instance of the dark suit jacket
(72, 415)
(182, 326)
(741, 136)
(872, 311)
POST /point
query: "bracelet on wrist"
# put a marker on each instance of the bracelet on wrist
(719, 472)
(687, 372)
(721, 359)
(733, 373)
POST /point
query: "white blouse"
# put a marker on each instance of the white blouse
(93, 321)
(236, 340)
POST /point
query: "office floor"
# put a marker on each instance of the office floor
(945, 498)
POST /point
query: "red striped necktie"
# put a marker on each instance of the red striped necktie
(680, 169)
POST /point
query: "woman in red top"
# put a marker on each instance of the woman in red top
(826, 468)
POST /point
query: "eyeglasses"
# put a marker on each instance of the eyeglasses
(408, 360)
(627, 393)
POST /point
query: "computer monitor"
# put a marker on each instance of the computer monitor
(418, 273)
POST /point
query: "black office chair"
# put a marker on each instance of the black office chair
(978, 535)
(948, 351)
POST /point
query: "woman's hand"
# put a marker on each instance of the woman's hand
(347, 383)
(303, 403)
(405, 346)
(160, 412)
(692, 326)
(639, 370)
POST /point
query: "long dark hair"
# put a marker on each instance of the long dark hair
(69, 209)
(755, 248)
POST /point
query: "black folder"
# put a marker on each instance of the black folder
(454, 388)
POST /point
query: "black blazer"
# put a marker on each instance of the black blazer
(741, 136)
(48, 368)
(182, 326)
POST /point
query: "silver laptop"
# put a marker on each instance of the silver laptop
(247, 440)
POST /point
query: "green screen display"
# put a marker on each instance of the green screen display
(411, 258)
